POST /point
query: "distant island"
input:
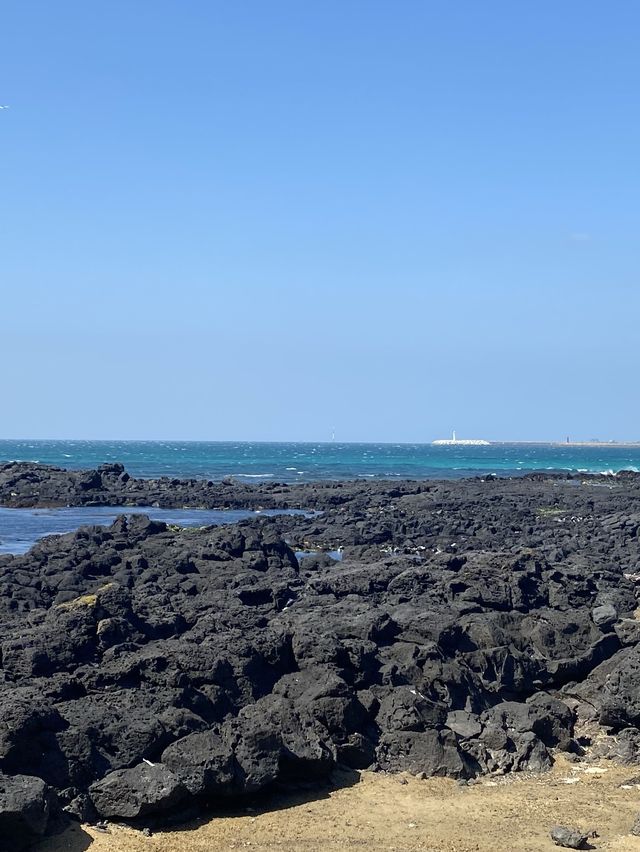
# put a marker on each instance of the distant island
(481, 442)
(462, 442)
(568, 443)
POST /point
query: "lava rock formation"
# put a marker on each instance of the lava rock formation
(469, 626)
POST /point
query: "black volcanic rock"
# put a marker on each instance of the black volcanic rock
(24, 811)
(568, 837)
(136, 792)
(144, 668)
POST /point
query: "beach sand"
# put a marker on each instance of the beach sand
(400, 813)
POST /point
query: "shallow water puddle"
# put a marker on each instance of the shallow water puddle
(21, 528)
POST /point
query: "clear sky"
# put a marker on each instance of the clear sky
(263, 220)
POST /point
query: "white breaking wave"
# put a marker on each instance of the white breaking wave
(254, 475)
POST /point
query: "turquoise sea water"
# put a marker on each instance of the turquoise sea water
(297, 462)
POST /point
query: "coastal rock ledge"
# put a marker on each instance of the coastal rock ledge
(471, 627)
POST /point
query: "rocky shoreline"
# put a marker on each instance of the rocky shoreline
(472, 627)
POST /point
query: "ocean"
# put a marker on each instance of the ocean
(20, 528)
(307, 462)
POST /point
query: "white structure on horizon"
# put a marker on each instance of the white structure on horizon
(464, 442)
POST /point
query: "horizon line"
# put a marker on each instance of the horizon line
(563, 442)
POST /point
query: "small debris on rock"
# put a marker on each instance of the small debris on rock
(635, 828)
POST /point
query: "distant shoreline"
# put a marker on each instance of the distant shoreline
(462, 442)
(619, 444)
(220, 442)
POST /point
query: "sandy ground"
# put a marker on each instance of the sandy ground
(398, 813)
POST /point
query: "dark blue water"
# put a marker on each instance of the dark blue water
(20, 528)
(287, 462)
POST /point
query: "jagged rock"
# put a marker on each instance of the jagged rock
(142, 790)
(624, 747)
(432, 752)
(464, 724)
(24, 811)
(462, 632)
(604, 616)
(620, 698)
(404, 709)
(203, 762)
(628, 631)
(271, 741)
(568, 837)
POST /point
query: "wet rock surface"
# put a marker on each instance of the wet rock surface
(467, 628)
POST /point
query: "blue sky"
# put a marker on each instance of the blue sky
(250, 220)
